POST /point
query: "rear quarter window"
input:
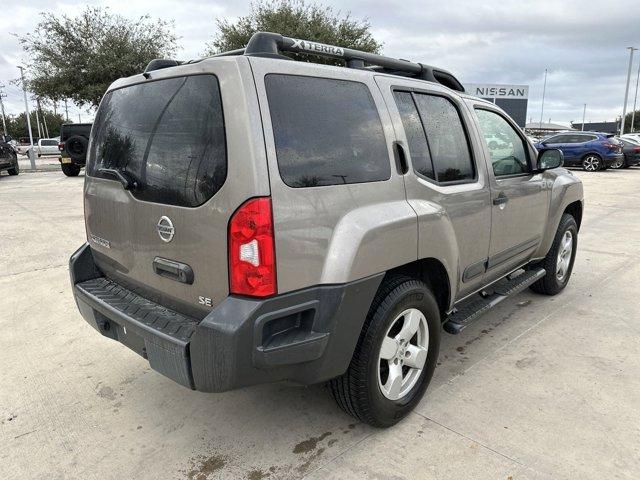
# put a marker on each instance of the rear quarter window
(326, 131)
(168, 134)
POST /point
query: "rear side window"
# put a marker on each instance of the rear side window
(447, 139)
(168, 135)
(326, 132)
(437, 141)
(416, 139)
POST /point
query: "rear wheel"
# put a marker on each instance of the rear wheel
(70, 169)
(395, 356)
(559, 261)
(592, 163)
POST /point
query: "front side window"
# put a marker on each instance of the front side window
(166, 134)
(509, 155)
(326, 131)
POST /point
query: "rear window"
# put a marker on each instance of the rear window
(49, 143)
(168, 135)
(326, 132)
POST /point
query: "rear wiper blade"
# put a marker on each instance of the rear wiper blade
(125, 178)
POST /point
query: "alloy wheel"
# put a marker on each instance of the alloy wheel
(564, 256)
(591, 163)
(403, 354)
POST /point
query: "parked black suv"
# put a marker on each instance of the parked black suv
(74, 139)
(8, 157)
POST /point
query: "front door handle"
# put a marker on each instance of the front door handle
(500, 199)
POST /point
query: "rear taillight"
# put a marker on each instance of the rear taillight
(61, 146)
(636, 149)
(252, 256)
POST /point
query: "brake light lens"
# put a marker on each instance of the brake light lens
(61, 146)
(252, 266)
(636, 149)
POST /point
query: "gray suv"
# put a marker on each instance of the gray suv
(255, 219)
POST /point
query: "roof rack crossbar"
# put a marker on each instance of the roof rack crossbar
(267, 44)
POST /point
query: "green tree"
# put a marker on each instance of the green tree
(295, 18)
(17, 124)
(636, 122)
(78, 57)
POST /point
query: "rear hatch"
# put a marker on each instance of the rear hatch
(171, 157)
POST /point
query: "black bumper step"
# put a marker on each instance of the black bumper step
(149, 315)
(473, 309)
(157, 333)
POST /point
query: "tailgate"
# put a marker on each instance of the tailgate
(171, 157)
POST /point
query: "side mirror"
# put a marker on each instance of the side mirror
(551, 158)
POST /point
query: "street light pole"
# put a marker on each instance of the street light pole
(626, 90)
(4, 123)
(635, 99)
(32, 153)
(584, 112)
(544, 89)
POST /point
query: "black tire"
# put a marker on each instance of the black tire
(15, 170)
(550, 284)
(70, 169)
(357, 391)
(76, 148)
(592, 163)
(618, 165)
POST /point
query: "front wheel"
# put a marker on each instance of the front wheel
(619, 163)
(15, 170)
(396, 354)
(559, 261)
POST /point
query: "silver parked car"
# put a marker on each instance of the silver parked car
(252, 219)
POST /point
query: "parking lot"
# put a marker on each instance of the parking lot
(541, 387)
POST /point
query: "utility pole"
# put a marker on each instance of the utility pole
(635, 99)
(626, 90)
(584, 111)
(32, 153)
(4, 123)
(66, 110)
(544, 90)
(45, 129)
(38, 117)
(79, 118)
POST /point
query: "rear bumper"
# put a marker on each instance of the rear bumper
(307, 336)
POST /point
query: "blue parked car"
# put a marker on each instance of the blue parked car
(590, 150)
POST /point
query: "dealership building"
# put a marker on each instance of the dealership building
(513, 99)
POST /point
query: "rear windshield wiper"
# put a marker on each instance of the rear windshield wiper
(125, 178)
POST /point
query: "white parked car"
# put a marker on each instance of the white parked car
(48, 146)
(631, 136)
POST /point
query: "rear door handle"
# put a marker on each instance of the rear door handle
(500, 199)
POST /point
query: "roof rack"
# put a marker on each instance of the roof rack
(267, 44)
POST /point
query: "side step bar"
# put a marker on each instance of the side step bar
(470, 311)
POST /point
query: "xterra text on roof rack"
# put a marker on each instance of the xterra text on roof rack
(254, 219)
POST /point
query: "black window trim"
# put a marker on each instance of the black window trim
(339, 79)
(224, 128)
(526, 144)
(472, 153)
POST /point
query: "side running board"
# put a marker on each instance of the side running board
(473, 309)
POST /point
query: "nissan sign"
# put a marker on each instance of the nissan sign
(497, 91)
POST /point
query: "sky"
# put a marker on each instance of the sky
(582, 43)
